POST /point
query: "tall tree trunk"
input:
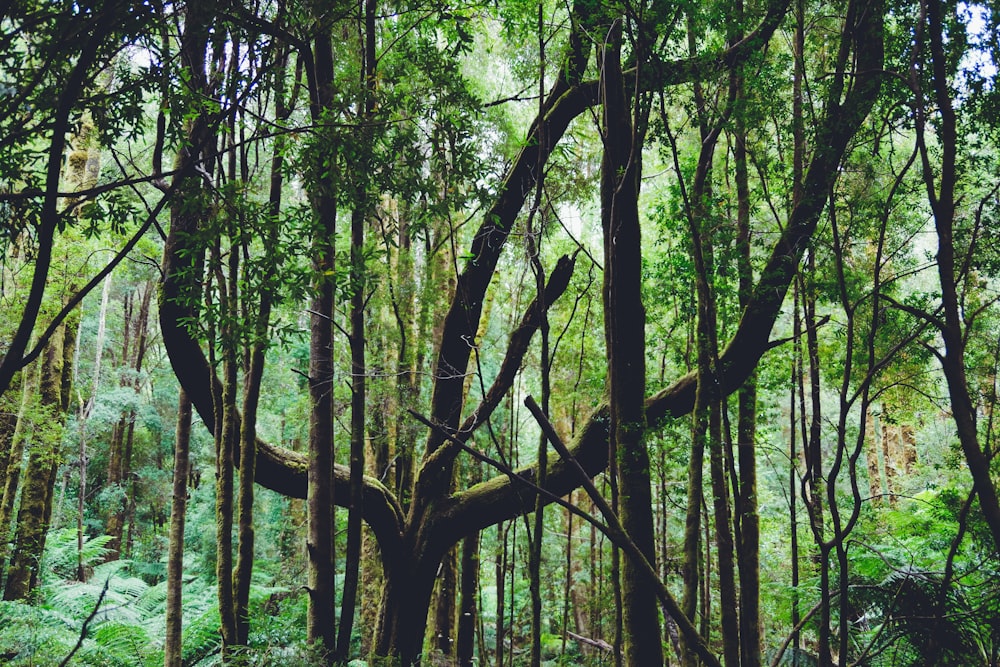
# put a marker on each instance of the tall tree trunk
(746, 428)
(798, 172)
(469, 606)
(500, 558)
(534, 247)
(248, 456)
(12, 480)
(625, 326)
(255, 371)
(359, 218)
(320, 621)
(814, 482)
(444, 626)
(172, 645)
(796, 425)
(183, 261)
(942, 197)
(226, 443)
(83, 415)
(40, 474)
(10, 405)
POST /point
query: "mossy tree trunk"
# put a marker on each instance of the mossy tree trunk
(40, 474)
(15, 466)
(360, 216)
(468, 611)
(9, 406)
(320, 620)
(624, 321)
(172, 645)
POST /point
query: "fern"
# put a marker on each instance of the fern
(914, 623)
(79, 598)
(121, 643)
(36, 636)
(61, 553)
(201, 636)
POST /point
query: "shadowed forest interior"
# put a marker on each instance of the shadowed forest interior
(590, 332)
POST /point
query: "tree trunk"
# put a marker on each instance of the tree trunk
(468, 618)
(12, 478)
(943, 204)
(320, 620)
(39, 475)
(501, 578)
(746, 427)
(248, 455)
(226, 445)
(175, 557)
(625, 326)
(10, 402)
(359, 218)
(409, 583)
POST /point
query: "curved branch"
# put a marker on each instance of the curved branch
(13, 361)
(440, 461)
(285, 471)
(564, 103)
(498, 500)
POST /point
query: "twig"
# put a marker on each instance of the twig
(597, 643)
(620, 537)
(801, 624)
(86, 622)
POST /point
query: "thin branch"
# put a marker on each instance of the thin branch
(622, 540)
(511, 473)
(798, 628)
(86, 623)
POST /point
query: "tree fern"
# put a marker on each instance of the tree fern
(34, 635)
(117, 643)
(61, 553)
(912, 622)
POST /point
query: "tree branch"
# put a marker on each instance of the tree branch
(492, 501)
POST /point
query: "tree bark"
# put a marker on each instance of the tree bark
(320, 619)
(625, 321)
(468, 618)
(359, 218)
(746, 427)
(172, 646)
(10, 402)
(39, 475)
(226, 444)
(942, 197)
(12, 481)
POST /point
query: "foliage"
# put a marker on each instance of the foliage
(452, 109)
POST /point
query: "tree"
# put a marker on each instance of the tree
(413, 544)
(44, 457)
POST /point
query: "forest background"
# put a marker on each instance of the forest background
(508, 332)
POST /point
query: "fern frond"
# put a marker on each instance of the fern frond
(62, 553)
